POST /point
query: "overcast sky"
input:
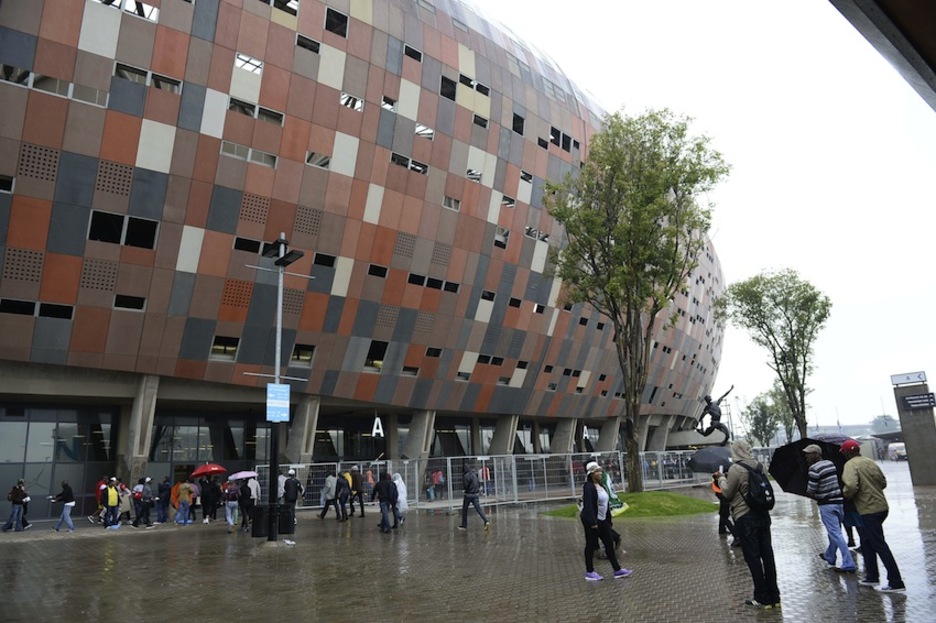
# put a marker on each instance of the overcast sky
(833, 167)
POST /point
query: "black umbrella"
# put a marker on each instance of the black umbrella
(789, 468)
(710, 458)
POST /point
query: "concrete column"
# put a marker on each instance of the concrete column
(608, 438)
(643, 428)
(301, 440)
(919, 433)
(537, 444)
(392, 431)
(419, 440)
(564, 439)
(660, 433)
(504, 434)
(133, 447)
(475, 436)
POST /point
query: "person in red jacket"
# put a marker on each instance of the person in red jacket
(98, 515)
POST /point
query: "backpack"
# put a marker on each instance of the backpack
(231, 494)
(137, 494)
(760, 495)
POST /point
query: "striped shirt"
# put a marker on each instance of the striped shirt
(823, 483)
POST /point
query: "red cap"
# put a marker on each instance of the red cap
(849, 445)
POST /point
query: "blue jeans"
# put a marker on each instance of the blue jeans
(66, 518)
(230, 513)
(832, 516)
(182, 514)
(16, 519)
(111, 515)
(162, 511)
(874, 545)
(754, 531)
(385, 516)
(471, 499)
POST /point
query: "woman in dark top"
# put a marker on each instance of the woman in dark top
(596, 519)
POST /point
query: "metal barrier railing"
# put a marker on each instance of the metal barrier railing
(436, 483)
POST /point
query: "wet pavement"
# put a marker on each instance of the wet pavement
(528, 567)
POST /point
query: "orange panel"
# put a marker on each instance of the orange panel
(275, 87)
(29, 223)
(252, 35)
(89, 329)
(206, 162)
(170, 51)
(348, 314)
(358, 199)
(313, 312)
(121, 138)
(60, 277)
(366, 386)
(59, 20)
(162, 106)
(188, 369)
(294, 142)
(259, 180)
(199, 201)
(45, 120)
(55, 59)
(215, 253)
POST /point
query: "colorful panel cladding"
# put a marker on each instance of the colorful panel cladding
(151, 151)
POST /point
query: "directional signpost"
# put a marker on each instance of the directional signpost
(915, 405)
(909, 378)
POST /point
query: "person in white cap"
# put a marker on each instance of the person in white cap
(143, 502)
(596, 520)
(292, 491)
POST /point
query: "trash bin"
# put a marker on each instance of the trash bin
(287, 519)
(260, 520)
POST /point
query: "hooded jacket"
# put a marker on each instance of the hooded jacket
(734, 484)
(401, 492)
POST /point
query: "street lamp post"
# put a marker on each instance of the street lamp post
(277, 249)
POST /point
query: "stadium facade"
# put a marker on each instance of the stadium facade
(151, 152)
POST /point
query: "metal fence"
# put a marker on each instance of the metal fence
(436, 483)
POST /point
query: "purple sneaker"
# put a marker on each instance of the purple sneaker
(622, 573)
(593, 577)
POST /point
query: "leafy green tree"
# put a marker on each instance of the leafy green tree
(884, 424)
(633, 230)
(783, 313)
(761, 419)
(778, 400)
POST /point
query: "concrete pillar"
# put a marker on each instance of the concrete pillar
(608, 438)
(391, 424)
(564, 438)
(134, 444)
(919, 433)
(504, 434)
(660, 433)
(419, 440)
(537, 443)
(643, 429)
(301, 439)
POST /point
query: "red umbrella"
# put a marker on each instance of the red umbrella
(208, 469)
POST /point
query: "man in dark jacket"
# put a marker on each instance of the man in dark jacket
(292, 489)
(472, 486)
(67, 498)
(163, 500)
(386, 493)
(357, 489)
(15, 497)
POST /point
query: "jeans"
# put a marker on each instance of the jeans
(230, 513)
(162, 511)
(397, 516)
(472, 499)
(111, 515)
(874, 545)
(384, 516)
(754, 532)
(592, 536)
(66, 518)
(16, 519)
(182, 514)
(832, 516)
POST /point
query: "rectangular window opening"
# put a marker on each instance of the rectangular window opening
(526, 177)
(165, 83)
(435, 353)
(321, 161)
(462, 376)
(302, 355)
(518, 123)
(450, 286)
(336, 22)
(309, 44)
(508, 202)
(425, 131)
(349, 101)
(106, 227)
(13, 306)
(513, 302)
(419, 167)
(388, 103)
(539, 308)
(480, 121)
(123, 301)
(487, 295)
(6, 183)
(248, 63)
(416, 280)
(482, 89)
(501, 236)
(375, 355)
(289, 6)
(246, 244)
(377, 271)
(435, 284)
(413, 53)
(324, 259)
(224, 348)
(244, 108)
(451, 203)
(270, 116)
(16, 75)
(447, 88)
(474, 175)
(50, 310)
(141, 233)
(399, 160)
(130, 73)
(410, 371)
(465, 80)
(51, 85)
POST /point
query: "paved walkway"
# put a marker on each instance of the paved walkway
(527, 568)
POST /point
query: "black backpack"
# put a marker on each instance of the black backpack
(760, 495)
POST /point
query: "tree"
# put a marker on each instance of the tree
(634, 228)
(884, 424)
(783, 313)
(761, 419)
(782, 409)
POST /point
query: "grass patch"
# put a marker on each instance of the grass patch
(650, 504)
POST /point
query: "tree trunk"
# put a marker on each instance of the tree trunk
(634, 464)
(800, 424)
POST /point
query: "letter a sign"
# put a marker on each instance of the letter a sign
(377, 431)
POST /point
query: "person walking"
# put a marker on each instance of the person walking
(163, 499)
(145, 502)
(472, 488)
(864, 483)
(357, 489)
(401, 505)
(245, 504)
(596, 520)
(186, 491)
(98, 515)
(15, 497)
(822, 485)
(67, 498)
(342, 493)
(753, 527)
(292, 491)
(231, 498)
(329, 495)
(385, 493)
(110, 498)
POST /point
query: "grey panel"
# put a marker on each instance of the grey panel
(324, 278)
(148, 193)
(470, 397)
(6, 200)
(262, 310)
(445, 115)
(17, 48)
(516, 344)
(258, 345)
(192, 106)
(421, 392)
(76, 178)
(537, 289)
(197, 338)
(553, 168)
(333, 314)
(51, 338)
(68, 229)
(127, 97)
(356, 354)
(516, 149)
(536, 198)
(508, 400)
(182, 286)
(405, 325)
(431, 74)
(366, 319)
(412, 31)
(503, 144)
(329, 381)
(224, 209)
(403, 134)
(204, 20)
(387, 385)
(395, 56)
(385, 128)
(500, 175)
